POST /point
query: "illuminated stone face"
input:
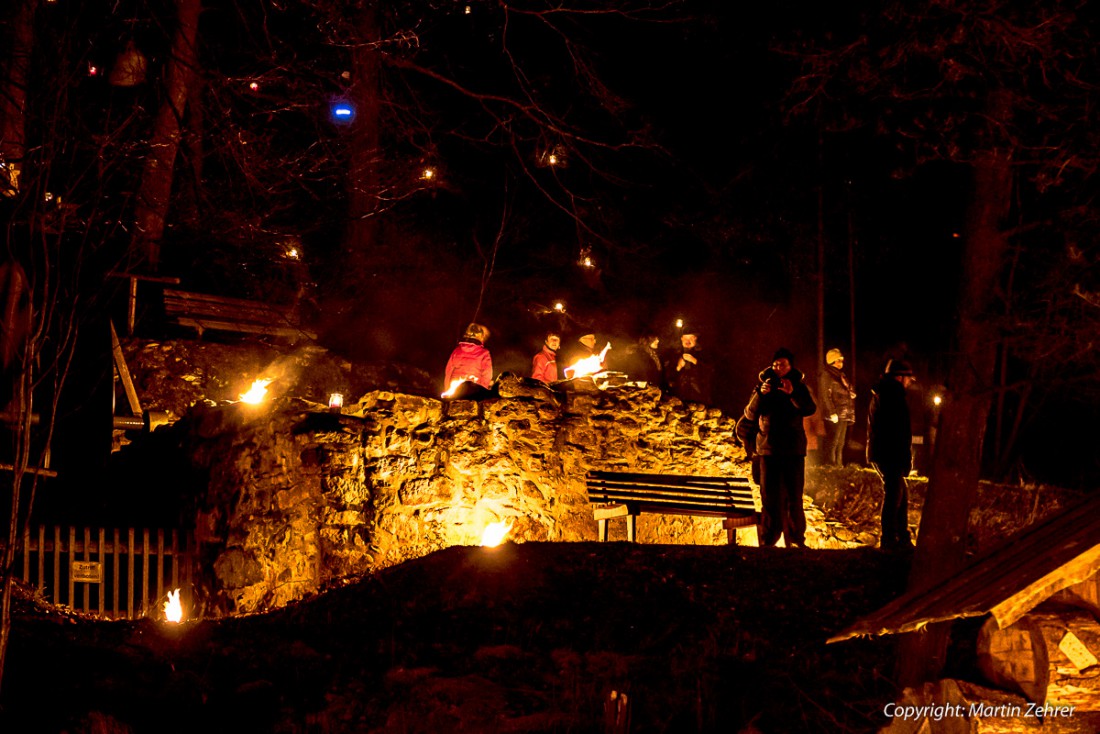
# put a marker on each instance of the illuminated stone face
(293, 505)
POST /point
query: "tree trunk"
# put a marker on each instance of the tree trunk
(17, 314)
(956, 466)
(13, 95)
(156, 178)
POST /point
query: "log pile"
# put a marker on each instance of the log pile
(1049, 656)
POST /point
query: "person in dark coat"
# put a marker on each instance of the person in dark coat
(470, 361)
(777, 406)
(642, 362)
(688, 371)
(544, 365)
(838, 407)
(889, 450)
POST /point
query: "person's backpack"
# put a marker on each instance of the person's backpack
(745, 430)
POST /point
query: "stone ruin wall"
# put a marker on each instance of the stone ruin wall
(291, 498)
(298, 498)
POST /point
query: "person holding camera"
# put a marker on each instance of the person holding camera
(777, 407)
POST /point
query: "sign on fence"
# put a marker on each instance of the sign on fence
(88, 572)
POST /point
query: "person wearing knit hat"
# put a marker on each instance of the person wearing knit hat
(889, 450)
(777, 407)
(838, 406)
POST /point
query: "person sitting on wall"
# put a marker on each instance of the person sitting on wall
(688, 372)
(544, 365)
(642, 362)
(583, 348)
(471, 363)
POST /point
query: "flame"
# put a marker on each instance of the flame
(173, 610)
(256, 393)
(455, 383)
(588, 365)
(494, 534)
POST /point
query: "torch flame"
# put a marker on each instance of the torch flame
(588, 365)
(455, 383)
(494, 534)
(173, 610)
(256, 393)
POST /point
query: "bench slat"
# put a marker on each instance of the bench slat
(662, 490)
(725, 503)
(637, 508)
(666, 479)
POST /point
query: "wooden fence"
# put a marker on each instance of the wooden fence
(116, 574)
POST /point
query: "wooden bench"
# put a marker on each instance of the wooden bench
(202, 311)
(622, 494)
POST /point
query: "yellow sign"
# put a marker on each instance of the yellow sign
(1077, 652)
(90, 572)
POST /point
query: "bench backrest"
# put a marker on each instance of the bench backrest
(713, 496)
(202, 311)
(177, 303)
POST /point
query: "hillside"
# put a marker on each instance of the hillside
(529, 637)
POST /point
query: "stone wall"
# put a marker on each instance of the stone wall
(298, 498)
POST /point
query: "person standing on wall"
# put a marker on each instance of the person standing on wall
(838, 407)
(889, 450)
(544, 365)
(777, 407)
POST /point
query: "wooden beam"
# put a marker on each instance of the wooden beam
(30, 470)
(124, 373)
(1074, 572)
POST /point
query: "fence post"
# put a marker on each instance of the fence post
(87, 558)
(56, 564)
(102, 571)
(130, 576)
(144, 570)
(72, 557)
(41, 558)
(160, 563)
(115, 553)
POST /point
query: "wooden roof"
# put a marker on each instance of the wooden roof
(1007, 582)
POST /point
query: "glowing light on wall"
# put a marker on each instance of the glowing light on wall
(494, 534)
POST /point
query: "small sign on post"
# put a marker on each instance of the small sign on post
(88, 572)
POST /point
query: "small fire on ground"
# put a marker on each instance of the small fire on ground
(494, 534)
(173, 610)
(257, 392)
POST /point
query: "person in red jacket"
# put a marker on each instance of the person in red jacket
(470, 360)
(544, 365)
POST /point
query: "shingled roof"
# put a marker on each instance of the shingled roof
(1007, 582)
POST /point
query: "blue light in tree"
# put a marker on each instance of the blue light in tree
(342, 112)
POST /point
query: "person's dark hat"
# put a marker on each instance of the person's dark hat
(899, 367)
(783, 353)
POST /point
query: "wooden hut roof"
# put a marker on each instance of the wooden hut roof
(1007, 582)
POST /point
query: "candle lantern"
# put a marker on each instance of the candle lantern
(336, 402)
